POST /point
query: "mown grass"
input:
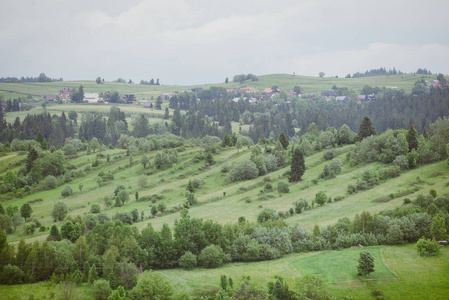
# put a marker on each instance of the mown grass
(41, 290)
(341, 266)
(400, 273)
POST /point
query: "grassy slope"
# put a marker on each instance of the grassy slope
(242, 198)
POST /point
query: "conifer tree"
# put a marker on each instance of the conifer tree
(93, 275)
(283, 139)
(297, 165)
(176, 122)
(31, 157)
(54, 234)
(366, 129)
(412, 139)
(424, 134)
(190, 187)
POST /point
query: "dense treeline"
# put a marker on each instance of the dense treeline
(376, 72)
(41, 78)
(55, 129)
(391, 110)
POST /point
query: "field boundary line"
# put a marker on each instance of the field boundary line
(386, 265)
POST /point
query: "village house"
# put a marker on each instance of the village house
(342, 99)
(91, 98)
(168, 96)
(328, 93)
(64, 94)
(128, 98)
(148, 105)
(50, 97)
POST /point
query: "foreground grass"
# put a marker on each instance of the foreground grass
(400, 273)
(341, 266)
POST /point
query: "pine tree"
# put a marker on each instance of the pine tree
(93, 275)
(412, 139)
(366, 129)
(54, 234)
(366, 263)
(226, 140)
(298, 167)
(31, 157)
(41, 140)
(176, 122)
(166, 114)
(424, 134)
(283, 139)
(190, 187)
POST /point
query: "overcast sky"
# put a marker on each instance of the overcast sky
(205, 41)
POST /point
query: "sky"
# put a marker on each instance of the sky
(189, 42)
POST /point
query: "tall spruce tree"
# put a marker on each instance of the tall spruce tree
(366, 129)
(283, 140)
(298, 167)
(412, 138)
(31, 157)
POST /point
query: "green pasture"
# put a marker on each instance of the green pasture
(341, 266)
(400, 273)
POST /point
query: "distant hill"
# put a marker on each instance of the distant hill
(285, 82)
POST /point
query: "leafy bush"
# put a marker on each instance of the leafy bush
(12, 275)
(401, 161)
(283, 187)
(321, 198)
(187, 261)
(330, 154)
(59, 211)
(427, 247)
(101, 289)
(244, 170)
(50, 182)
(301, 205)
(197, 182)
(66, 191)
(211, 257)
(95, 208)
(266, 215)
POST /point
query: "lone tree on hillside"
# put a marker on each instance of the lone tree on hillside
(25, 211)
(366, 263)
(298, 166)
(366, 129)
(412, 138)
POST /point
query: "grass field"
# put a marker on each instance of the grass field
(400, 273)
(339, 266)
